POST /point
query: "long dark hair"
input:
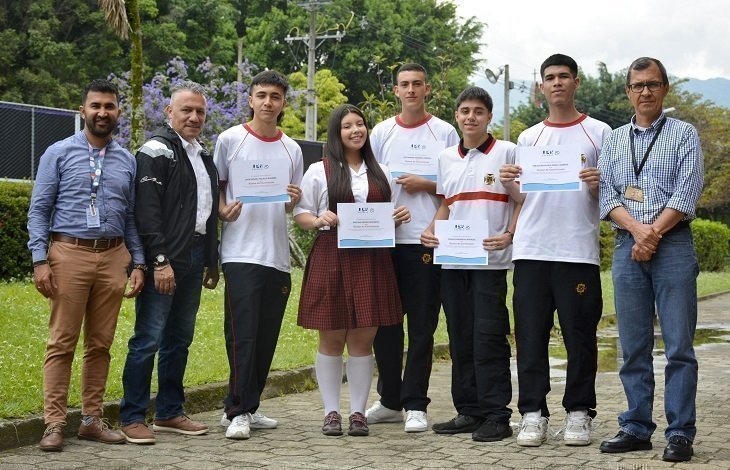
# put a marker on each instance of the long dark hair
(339, 184)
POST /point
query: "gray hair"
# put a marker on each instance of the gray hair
(186, 85)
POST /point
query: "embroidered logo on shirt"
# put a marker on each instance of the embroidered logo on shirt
(285, 290)
(426, 258)
(580, 288)
(489, 179)
(147, 179)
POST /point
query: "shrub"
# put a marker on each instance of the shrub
(15, 259)
(606, 240)
(712, 242)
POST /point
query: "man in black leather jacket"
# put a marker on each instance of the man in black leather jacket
(176, 213)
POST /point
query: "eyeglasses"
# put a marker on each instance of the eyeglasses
(639, 87)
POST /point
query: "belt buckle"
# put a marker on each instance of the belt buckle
(101, 246)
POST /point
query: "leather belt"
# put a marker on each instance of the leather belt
(99, 245)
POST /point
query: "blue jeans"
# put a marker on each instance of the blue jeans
(164, 323)
(670, 280)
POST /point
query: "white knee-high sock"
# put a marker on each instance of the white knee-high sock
(329, 378)
(359, 379)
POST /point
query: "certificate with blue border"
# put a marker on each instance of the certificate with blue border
(460, 242)
(415, 158)
(262, 181)
(365, 225)
(550, 168)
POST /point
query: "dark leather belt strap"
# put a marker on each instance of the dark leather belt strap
(100, 245)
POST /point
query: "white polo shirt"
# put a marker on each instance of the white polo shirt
(471, 187)
(385, 140)
(260, 235)
(315, 196)
(562, 226)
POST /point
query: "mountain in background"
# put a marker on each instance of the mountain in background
(716, 90)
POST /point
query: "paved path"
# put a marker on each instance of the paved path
(298, 444)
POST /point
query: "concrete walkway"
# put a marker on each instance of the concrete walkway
(298, 443)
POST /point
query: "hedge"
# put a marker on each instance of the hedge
(15, 259)
(712, 239)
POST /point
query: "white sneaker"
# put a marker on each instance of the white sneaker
(225, 422)
(533, 430)
(578, 427)
(380, 414)
(259, 421)
(239, 428)
(416, 421)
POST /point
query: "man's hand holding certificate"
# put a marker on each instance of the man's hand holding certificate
(549, 168)
(261, 181)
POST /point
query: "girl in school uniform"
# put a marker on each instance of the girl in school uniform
(346, 293)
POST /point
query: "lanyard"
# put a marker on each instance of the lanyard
(639, 167)
(96, 165)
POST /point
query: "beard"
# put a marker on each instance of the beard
(103, 132)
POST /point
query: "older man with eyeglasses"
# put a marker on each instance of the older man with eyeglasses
(651, 178)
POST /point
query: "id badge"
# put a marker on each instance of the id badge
(634, 193)
(92, 217)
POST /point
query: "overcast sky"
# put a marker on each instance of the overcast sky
(691, 38)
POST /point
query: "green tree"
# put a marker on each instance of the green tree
(329, 96)
(379, 37)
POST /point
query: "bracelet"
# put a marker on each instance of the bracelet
(141, 267)
(510, 233)
(40, 262)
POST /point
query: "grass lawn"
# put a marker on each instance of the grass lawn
(24, 328)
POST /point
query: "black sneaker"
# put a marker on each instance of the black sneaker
(490, 431)
(458, 424)
(679, 449)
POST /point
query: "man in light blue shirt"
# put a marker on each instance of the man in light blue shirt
(651, 178)
(83, 240)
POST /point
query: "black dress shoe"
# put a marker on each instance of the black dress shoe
(624, 442)
(459, 424)
(679, 449)
(490, 431)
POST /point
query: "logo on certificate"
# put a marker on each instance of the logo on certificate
(583, 158)
(489, 179)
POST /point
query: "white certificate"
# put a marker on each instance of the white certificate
(460, 242)
(365, 225)
(415, 158)
(549, 168)
(261, 181)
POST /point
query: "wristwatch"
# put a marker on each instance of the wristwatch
(161, 260)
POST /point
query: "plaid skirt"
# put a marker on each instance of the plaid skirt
(348, 288)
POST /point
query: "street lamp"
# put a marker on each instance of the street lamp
(508, 85)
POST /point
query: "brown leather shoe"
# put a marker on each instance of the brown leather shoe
(52, 440)
(99, 431)
(332, 424)
(358, 425)
(181, 425)
(138, 433)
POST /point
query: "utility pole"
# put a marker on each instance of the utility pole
(311, 40)
(508, 85)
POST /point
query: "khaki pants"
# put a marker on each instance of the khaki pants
(90, 290)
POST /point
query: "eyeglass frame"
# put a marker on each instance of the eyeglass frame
(657, 86)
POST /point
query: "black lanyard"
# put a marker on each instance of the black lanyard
(639, 167)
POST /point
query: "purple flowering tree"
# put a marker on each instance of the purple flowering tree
(227, 101)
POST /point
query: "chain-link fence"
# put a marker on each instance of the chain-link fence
(26, 132)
